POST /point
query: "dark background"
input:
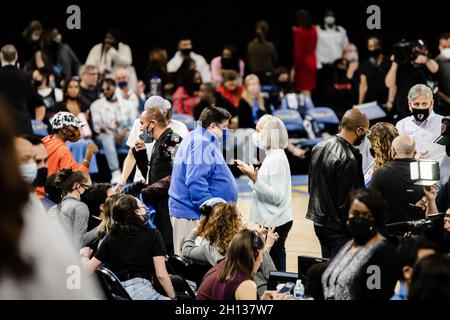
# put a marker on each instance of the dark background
(211, 24)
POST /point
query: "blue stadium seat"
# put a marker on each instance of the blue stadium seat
(188, 120)
(323, 115)
(372, 110)
(40, 129)
(291, 119)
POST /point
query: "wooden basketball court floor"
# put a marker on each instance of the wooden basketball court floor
(301, 239)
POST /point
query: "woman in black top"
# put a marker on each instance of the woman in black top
(365, 268)
(133, 252)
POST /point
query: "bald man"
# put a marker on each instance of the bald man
(25, 156)
(336, 170)
(394, 183)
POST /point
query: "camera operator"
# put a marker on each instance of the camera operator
(393, 182)
(411, 65)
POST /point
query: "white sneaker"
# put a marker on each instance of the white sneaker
(116, 177)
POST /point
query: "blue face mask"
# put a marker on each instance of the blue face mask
(122, 84)
(256, 137)
(29, 172)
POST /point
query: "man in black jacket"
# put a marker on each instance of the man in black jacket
(17, 90)
(394, 183)
(336, 170)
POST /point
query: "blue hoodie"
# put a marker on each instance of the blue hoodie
(199, 174)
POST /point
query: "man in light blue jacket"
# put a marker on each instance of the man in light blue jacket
(199, 174)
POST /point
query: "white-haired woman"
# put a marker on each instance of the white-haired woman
(271, 184)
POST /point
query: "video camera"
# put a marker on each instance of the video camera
(416, 227)
(408, 51)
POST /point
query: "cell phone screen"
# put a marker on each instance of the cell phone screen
(287, 287)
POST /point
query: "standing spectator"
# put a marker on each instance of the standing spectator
(373, 71)
(404, 74)
(71, 212)
(443, 107)
(423, 125)
(157, 69)
(123, 91)
(262, 54)
(17, 90)
(252, 105)
(65, 62)
(50, 95)
(112, 120)
(305, 62)
(229, 60)
(335, 171)
(347, 275)
(341, 93)
(271, 185)
(89, 86)
(110, 55)
(30, 46)
(350, 54)
(186, 96)
(199, 174)
(209, 97)
(230, 88)
(185, 50)
(381, 136)
(394, 183)
(66, 127)
(331, 41)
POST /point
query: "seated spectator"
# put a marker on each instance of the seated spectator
(123, 91)
(66, 127)
(230, 88)
(347, 276)
(95, 199)
(106, 216)
(136, 269)
(252, 105)
(313, 283)
(393, 182)
(204, 291)
(186, 96)
(110, 55)
(112, 120)
(185, 50)
(50, 95)
(381, 136)
(179, 76)
(209, 97)
(41, 159)
(228, 60)
(89, 90)
(157, 69)
(283, 86)
(209, 243)
(410, 252)
(236, 280)
(431, 279)
(71, 212)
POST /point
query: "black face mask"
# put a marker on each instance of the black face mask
(375, 53)
(372, 152)
(37, 83)
(186, 52)
(361, 230)
(284, 85)
(196, 86)
(420, 114)
(41, 177)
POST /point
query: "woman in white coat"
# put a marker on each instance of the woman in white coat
(271, 184)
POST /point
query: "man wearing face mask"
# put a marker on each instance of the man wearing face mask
(41, 159)
(336, 169)
(123, 92)
(424, 126)
(184, 51)
(443, 107)
(199, 174)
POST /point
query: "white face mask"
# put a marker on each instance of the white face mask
(352, 56)
(330, 20)
(35, 37)
(29, 172)
(256, 137)
(445, 53)
(58, 38)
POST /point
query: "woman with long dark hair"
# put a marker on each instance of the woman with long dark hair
(186, 97)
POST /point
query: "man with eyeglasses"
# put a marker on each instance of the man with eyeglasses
(89, 89)
(336, 169)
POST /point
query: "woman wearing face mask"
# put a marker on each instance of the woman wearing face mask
(50, 95)
(271, 184)
(30, 45)
(341, 91)
(366, 267)
(186, 97)
(138, 267)
(229, 60)
(66, 127)
(71, 212)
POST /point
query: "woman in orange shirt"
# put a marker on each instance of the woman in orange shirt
(66, 127)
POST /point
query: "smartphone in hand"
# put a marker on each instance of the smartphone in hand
(287, 288)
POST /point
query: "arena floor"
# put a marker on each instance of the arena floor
(301, 239)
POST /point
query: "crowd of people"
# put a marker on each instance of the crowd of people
(182, 198)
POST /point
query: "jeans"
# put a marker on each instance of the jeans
(278, 251)
(142, 289)
(331, 241)
(107, 141)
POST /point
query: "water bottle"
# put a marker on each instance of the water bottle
(155, 87)
(299, 290)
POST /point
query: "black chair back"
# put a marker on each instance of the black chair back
(111, 285)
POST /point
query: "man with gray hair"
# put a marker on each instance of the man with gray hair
(424, 126)
(393, 182)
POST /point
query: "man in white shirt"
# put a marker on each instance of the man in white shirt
(112, 119)
(123, 91)
(423, 125)
(135, 141)
(184, 51)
